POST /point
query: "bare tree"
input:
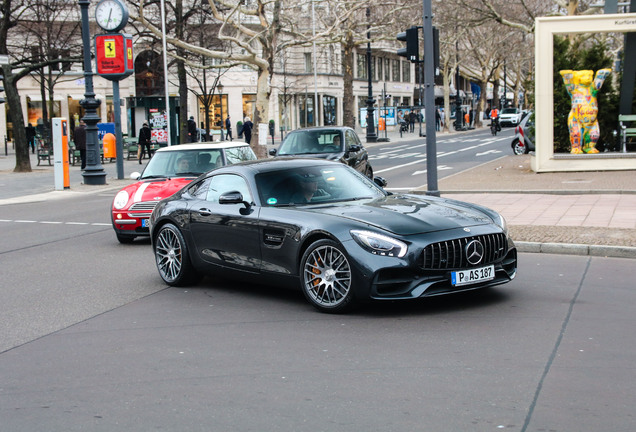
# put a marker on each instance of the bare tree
(23, 62)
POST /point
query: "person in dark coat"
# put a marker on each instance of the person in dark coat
(247, 129)
(80, 142)
(192, 129)
(145, 136)
(30, 134)
(412, 118)
(228, 127)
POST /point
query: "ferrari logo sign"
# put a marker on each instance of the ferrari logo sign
(114, 56)
(109, 48)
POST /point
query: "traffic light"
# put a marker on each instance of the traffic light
(1, 88)
(411, 52)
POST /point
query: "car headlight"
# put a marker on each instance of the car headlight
(121, 199)
(501, 221)
(379, 244)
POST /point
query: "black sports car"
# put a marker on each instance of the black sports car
(329, 230)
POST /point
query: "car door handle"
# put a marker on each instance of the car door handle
(205, 212)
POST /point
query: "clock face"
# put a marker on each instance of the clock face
(111, 15)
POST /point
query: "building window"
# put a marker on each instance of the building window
(396, 70)
(380, 64)
(330, 113)
(406, 71)
(308, 64)
(361, 63)
(373, 70)
(387, 69)
(306, 112)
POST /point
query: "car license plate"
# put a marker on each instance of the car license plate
(144, 223)
(467, 277)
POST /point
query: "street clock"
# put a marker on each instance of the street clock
(111, 15)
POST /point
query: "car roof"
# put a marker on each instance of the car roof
(203, 146)
(275, 164)
(322, 128)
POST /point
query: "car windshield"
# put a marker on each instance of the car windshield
(315, 184)
(182, 163)
(312, 142)
(192, 163)
(509, 111)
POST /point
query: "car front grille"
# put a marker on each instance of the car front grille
(452, 254)
(142, 209)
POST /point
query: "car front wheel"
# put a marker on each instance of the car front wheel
(171, 256)
(326, 277)
(518, 148)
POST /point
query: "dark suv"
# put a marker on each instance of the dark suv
(329, 142)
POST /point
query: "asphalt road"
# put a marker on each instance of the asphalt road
(92, 340)
(403, 162)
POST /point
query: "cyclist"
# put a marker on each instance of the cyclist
(494, 121)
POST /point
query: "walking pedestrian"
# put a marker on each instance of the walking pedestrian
(228, 127)
(438, 119)
(80, 142)
(192, 129)
(412, 118)
(144, 141)
(247, 129)
(30, 134)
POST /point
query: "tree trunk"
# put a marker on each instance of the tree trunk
(22, 160)
(348, 102)
(261, 111)
(483, 85)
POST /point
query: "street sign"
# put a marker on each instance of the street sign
(114, 56)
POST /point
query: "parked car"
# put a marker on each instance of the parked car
(168, 170)
(510, 117)
(328, 142)
(327, 229)
(523, 141)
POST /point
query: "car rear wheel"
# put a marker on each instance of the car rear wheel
(326, 277)
(171, 256)
(518, 148)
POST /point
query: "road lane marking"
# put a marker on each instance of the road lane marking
(55, 222)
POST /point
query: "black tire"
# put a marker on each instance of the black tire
(124, 239)
(326, 277)
(493, 129)
(519, 149)
(172, 257)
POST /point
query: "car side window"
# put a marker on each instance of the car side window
(199, 190)
(350, 140)
(223, 183)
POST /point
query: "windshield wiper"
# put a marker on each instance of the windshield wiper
(153, 177)
(187, 173)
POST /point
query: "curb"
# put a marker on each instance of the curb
(577, 249)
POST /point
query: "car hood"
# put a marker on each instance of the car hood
(155, 189)
(409, 214)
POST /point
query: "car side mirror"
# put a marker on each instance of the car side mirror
(272, 152)
(135, 175)
(235, 197)
(355, 148)
(380, 181)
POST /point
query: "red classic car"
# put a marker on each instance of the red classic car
(168, 171)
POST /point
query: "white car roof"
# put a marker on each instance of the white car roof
(204, 146)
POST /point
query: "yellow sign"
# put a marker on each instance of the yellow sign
(130, 54)
(109, 48)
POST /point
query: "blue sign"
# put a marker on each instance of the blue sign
(104, 128)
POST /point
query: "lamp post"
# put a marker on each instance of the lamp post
(94, 173)
(220, 87)
(371, 135)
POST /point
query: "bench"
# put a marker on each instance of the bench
(627, 132)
